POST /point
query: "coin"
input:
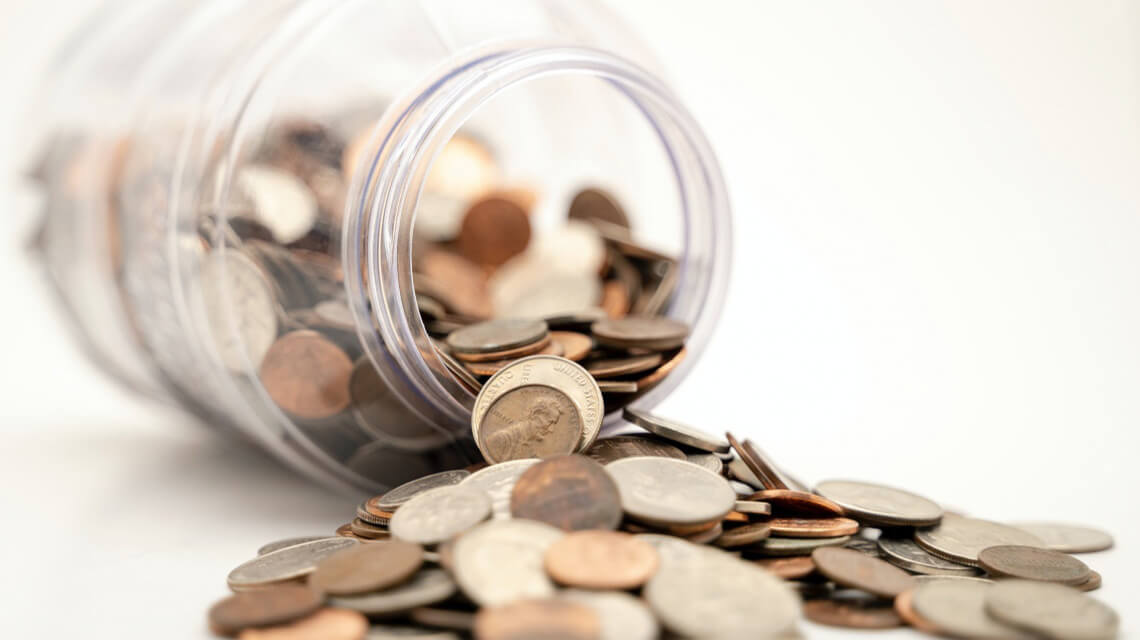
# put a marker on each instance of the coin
(383, 415)
(601, 560)
(860, 571)
(675, 431)
(528, 288)
(532, 421)
(240, 308)
(622, 616)
(751, 507)
(501, 561)
(879, 504)
(666, 491)
(402, 632)
(1032, 563)
(905, 553)
(1093, 582)
(595, 204)
(457, 369)
(707, 460)
(756, 463)
(615, 367)
(326, 624)
(368, 567)
(1052, 610)
(654, 378)
(443, 618)
(617, 386)
(262, 607)
(606, 450)
(813, 527)
(575, 346)
(961, 539)
(428, 586)
(957, 607)
(366, 529)
(494, 230)
(369, 512)
(497, 335)
(391, 500)
(843, 614)
(789, 502)
(538, 618)
(491, 367)
(570, 492)
(441, 513)
(904, 606)
(307, 375)
(789, 568)
(277, 545)
(1068, 538)
(285, 564)
(656, 333)
(498, 481)
(744, 535)
(774, 546)
(499, 359)
(463, 283)
(282, 202)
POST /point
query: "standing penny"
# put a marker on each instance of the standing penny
(263, 607)
(289, 563)
(594, 204)
(835, 613)
(601, 560)
(961, 539)
(656, 333)
(307, 375)
(607, 450)
(675, 431)
(494, 230)
(789, 502)
(788, 568)
(531, 619)
(326, 624)
(497, 335)
(813, 527)
(570, 492)
(880, 504)
(439, 514)
(1068, 538)
(575, 346)
(533, 421)
(853, 569)
(663, 491)
(368, 567)
(1032, 563)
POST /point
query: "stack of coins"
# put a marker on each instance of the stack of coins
(675, 532)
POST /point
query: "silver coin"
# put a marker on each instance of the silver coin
(880, 504)
(906, 554)
(737, 469)
(426, 587)
(742, 490)
(1068, 538)
(1052, 610)
(399, 632)
(277, 545)
(929, 578)
(961, 539)
(664, 491)
(502, 561)
(707, 460)
(497, 481)
(753, 507)
(392, 500)
(439, 514)
(527, 287)
(778, 547)
(282, 202)
(240, 309)
(957, 606)
(285, 564)
(676, 431)
(623, 616)
(497, 335)
(864, 546)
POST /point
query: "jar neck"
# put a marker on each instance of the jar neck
(385, 193)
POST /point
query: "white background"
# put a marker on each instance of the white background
(936, 284)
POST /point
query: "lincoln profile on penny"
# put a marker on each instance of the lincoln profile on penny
(537, 423)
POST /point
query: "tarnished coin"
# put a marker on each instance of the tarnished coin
(502, 561)
(791, 503)
(538, 618)
(780, 547)
(326, 624)
(263, 607)
(879, 504)
(849, 615)
(790, 568)
(570, 492)
(853, 569)
(1068, 538)
(614, 367)
(240, 308)
(497, 335)
(744, 536)
(961, 539)
(498, 481)
(813, 527)
(753, 508)
(622, 616)
(277, 545)
(905, 553)
(1032, 563)
(428, 586)
(286, 564)
(1052, 610)
(441, 513)
(601, 560)
(307, 375)
(904, 606)
(494, 230)
(957, 607)
(666, 491)
(606, 450)
(367, 567)
(595, 204)
(675, 431)
(575, 346)
(709, 461)
(656, 333)
(532, 421)
(391, 500)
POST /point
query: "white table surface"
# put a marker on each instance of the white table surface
(937, 285)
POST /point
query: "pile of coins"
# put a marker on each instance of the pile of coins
(674, 532)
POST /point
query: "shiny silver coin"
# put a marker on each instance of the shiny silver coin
(497, 481)
(440, 514)
(426, 587)
(708, 461)
(285, 564)
(906, 554)
(1052, 610)
(664, 491)
(392, 500)
(676, 431)
(501, 561)
(497, 335)
(778, 547)
(957, 606)
(961, 539)
(278, 545)
(623, 616)
(1068, 538)
(880, 504)
(740, 471)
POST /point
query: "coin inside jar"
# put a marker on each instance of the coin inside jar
(307, 375)
(497, 335)
(533, 421)
(494, 230)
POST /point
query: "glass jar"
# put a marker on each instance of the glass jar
(187, 258)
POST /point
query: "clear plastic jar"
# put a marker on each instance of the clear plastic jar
(156, 126)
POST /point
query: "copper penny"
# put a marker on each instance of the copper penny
(708, 536)
(744, 535)
(653, 379)
(736, 517)
(595, 204)
(367, 529)
(853, 616)
(534, 619)
(788, 568)
(575, 346)
(756, 464)
(307, 375)
(345, 531)
(854, 569)
(657, 333)
(601, 560)
(614, 367)
(607, 450)
(369, 567)
(904, 606)
(462, 282)
(532, 421)
(615, 299)
(570, 492)
(813, 527)
(1032, 563)
(542, 345)
(789, 502)
(277, 604)
(491, 367)
(494, 230)
(326, 624)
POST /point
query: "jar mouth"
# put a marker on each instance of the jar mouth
(384, 195)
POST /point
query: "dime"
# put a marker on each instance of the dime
(1068, 538)
(614, 367)
(790, 568)
(744, 535)
(532, 421)
(606, 450)
(601, 560)
(879, 504)
(570, 492)
(285, 564)
(957, 607)
(961, 539)
(842, 614)
(904, 606)
(675, 431)
(813, 527)
(752, 507)
(1032, 563)
(905, 553)
(368, 567)
(539, 618)
(307, 375)
(666, 491)
(656, 333)
(426, 587)
(498, 481)
(575, 346)
(779, 547)
(501, 561)
(789, 502)
(497, 335)
(277, 545)
(756, 463)
(494, 230)
(853, 569)
(1052, 610)
(326, 624)
(262, 607)
(595, 204)
(864, 546)
(391, 500)
(441, 513)
(622, 616)
(240, 308)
